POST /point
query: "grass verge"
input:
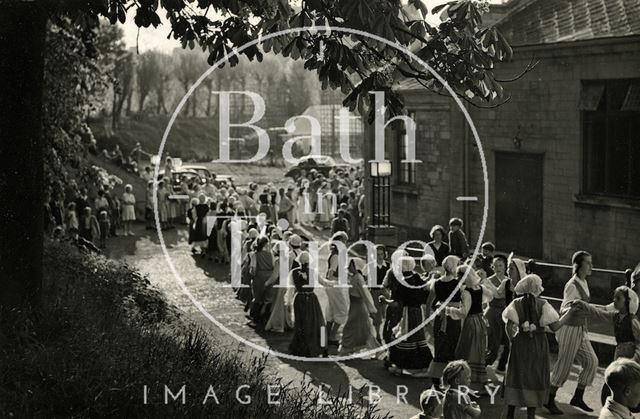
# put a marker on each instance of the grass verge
(103, 334)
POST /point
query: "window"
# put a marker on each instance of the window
(406, 171)
(611, 137)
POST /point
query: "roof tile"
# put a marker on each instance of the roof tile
(550, 21)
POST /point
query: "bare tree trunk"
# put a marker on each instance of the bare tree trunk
(129, 100)
(143, 97)
(22, 45)
(194, 103)
(114, 110)
(209, 95)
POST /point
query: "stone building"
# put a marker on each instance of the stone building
(562, 156)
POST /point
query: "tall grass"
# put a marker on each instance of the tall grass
(103, 334)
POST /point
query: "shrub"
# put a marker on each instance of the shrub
(103, 334)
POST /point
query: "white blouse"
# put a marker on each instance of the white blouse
(549, 314)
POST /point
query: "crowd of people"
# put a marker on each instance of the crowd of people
(496, 314)
(70, 214)
(487, 311)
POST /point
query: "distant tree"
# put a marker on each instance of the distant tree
(117, 64)
(124, 74)
(162, 81)
(187, 69)
(148, 73)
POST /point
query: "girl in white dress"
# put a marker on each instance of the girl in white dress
(128, 209)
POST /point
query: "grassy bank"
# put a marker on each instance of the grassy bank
(190, 138)
(104, 333)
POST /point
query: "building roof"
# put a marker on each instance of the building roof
(533, 22)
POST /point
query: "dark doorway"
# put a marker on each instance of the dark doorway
(519, 203)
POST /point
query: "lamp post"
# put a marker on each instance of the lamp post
(381, 193)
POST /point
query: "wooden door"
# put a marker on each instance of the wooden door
(519, 203)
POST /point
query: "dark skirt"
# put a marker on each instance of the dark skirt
(524, 384)
(444, 344)
(212, 246)
(495, 333)
(357, 333)
(413, 352)
(308, 325)
(199, 230)
(393, 315)
(472, 347)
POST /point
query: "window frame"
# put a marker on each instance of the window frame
(408, 169)
(603, 119)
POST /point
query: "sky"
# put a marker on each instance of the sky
(156, 38)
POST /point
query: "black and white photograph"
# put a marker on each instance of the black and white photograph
(369, 209)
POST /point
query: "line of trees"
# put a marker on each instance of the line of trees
(153, 82)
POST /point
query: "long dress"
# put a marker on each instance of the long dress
(393, 312)
(200, 226)
(446, 330)
(412, 353)
(527, 379)
(338, 309)
(358, 334)
(495, 325)
(381, 273)
(309, 322)
(280, 318)
(163, 204)
(472, 344)
(262, 269)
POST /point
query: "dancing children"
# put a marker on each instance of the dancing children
(456, 376)
(376, 292)
(623, 379)
(573, 339)
(446, 330)
(358, 334)
(280, 318)
(309, 322)
(493, 314)
(411, 356)
(393, 311)
(526, 318)
(626, 325)
(472, 344)
(337, 294)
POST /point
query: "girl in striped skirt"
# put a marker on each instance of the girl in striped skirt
(526, 318)
(472, 345)
(411, 356)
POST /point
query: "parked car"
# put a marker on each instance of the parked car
(204, 173)
(189, 176)
(322, 164)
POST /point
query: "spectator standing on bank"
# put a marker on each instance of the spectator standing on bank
(70, 217)
(128, 210)
(105, 227)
